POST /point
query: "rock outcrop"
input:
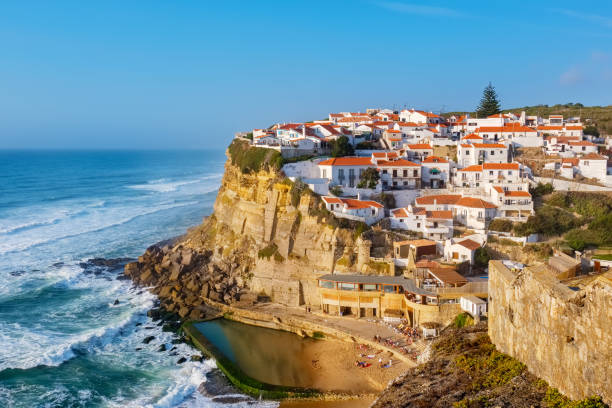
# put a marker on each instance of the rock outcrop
(266, 238)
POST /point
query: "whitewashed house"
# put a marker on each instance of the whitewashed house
(355, 209)
(582, 147)
(469, 154)
(516, 205)
(517, 134)
(434, 225)
(475, 306)
(344, 171)
(459, 250)
(435, 172)
(593, 166)
(419, 151)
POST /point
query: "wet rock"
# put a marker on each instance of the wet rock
(216, 384)
(116, 302)
(162, 348)
(181, 360)
(148, 339)
(196, 357)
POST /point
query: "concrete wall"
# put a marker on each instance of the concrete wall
(562, 335)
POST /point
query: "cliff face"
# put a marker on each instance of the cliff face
(265, 238)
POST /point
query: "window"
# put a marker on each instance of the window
(418, 225)
(394, 173)
(416, 173)
(384, 171)
(346, 286)
(324, 173)
(467, 152)
(492, 152)
(327, 284)
(373, 212)
(405, 183)
(405, 173)
(389, 289)
(490, 173)
(370, 287)
(509, 172)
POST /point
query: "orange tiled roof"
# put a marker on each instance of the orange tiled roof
(474, 167)
(439, 199)
(573, 128)
(440, 215)
(517, 194)
(489, 145)
(508, 127)
(582, 143)
(352, 203)
(332, 200)
(593, 156)
(474, 203)
(469, 244)
(434, 159)
(419, 146)
(396, 163)
(500, 166)
(347, 161)
(472, 136)
(550, 127)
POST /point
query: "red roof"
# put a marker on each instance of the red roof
(352, 203)
(420, 146)
(399, 212)
(582, 143)
(438, 198)
(440, 215)
(347, 161)
(475, 167)
(469, 244)
(550, 127)
(507, 128)
(573, 128)
(474, 203)
(489, 145)
(396, 163)
(517, 194)
(593, 156)
(572, 161)
(434, 159)
(472, 136)
(500, 166)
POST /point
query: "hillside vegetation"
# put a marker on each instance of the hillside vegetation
(599, 116)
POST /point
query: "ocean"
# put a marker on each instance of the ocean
(71, 332)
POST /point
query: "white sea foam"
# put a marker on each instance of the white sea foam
(165, 186)
(96, 223)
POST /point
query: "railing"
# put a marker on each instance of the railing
(468, 288)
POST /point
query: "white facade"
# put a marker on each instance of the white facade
(469, 154)
(434, 225)
(473, 305)
(593, 166)
(435, 172)
(355, 209)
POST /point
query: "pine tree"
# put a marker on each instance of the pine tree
(489, 104)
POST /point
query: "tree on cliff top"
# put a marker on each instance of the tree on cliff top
(341, 147)
(489, 104)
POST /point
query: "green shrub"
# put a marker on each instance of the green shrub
(336, 191)
(253, 159)
(318, 335)
(481, 257)
(360, 229)
(554, 399)
(267, 252)
(541, 189)
(462, 320)
(298, 187)
(500, 224)
(342, 147)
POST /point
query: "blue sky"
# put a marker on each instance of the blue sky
(188, 74)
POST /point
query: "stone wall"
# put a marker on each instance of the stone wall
(564, 336)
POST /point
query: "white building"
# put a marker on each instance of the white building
(472, 212)
(419, 151)
(344, 171)
(435, 172)
(417, 116)
(460, 250)
(435, 225)
(399, 174)
(593, 166)
(469, 154)
(516, 205)
(509, 175)
(517, 134)
(475, 306)
(355, 209)
(582, 147)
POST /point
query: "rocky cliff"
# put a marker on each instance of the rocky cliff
(267, 237)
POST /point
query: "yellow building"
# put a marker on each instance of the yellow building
(391, 297)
